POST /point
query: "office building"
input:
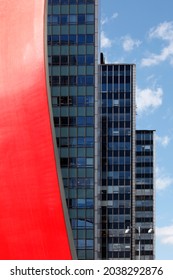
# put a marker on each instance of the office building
(118, 160)
(145, 194)
(72, 56)
(94, 113)
(127, 166)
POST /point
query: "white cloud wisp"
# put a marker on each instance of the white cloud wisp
(165, 234)
(163, 180)
(164, 32)
(105, 20)
(163, 141)
(129, 44)
(148, 99)
(105, 41)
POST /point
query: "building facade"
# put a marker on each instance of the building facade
(145, 194)
(73, 72)
(95, 130)
(127, 170)
(118, 160)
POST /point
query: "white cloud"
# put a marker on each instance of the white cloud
(163, 180)
(164, 141)
(129, 44)
(114, 16)
(105, 41)
(165, 234)
(163, 31)
(105, 20)
(148, 99)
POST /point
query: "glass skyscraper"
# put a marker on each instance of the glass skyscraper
(127, 170)
(94, 112)
(145, 194)
(72, 56)
(118, 160)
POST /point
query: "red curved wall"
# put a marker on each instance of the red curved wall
(32, 222)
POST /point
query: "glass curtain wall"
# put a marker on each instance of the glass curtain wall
(117, 153)
(72, 59)
(145, 194)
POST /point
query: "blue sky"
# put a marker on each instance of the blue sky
(141, 32)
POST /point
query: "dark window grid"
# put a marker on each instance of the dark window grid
(80, 80)
(73, 121)
(73, 101)
(72, 60)
(76, 141)
(75, 162)
(72, 2)
(80, 39)
(65, 19)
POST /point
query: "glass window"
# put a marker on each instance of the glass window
(64, 39)
(73, 141)
(81, 243)
(64, 80)
(72, 19)
(55, 80)
(64, 2)
(81, 121)
(81, 80)
(55, 39)
(89, 243)
(81, 39)
(81, 203)
(55, 59)
(81, 59)
(81, 141)
(64, 60)
(90, 18)
(89, 161)
(64, 19)
(53, 19)
(89, 39)
(89, 80)
(89, 100)
(49, 39)
(81, 19)
(89, 1)
(56, 121)
(72, 39)
(89, 141)
(81, 161)
(64, 121)
(90, 59)
(89, 121)
(72, 60)
(72, 121)
(72, 80)
(81, 100)
(89, 203)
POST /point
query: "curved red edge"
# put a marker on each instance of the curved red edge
(32, 221)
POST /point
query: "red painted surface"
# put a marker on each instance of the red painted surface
(32, 224)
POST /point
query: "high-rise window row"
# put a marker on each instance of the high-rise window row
(72, 2)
